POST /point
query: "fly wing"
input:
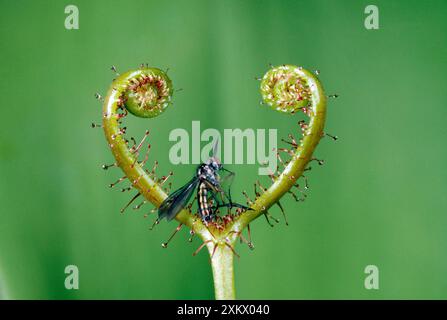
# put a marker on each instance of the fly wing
(226, 181)
(177, 200)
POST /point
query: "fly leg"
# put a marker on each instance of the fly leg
(232, 204)
(230, 177)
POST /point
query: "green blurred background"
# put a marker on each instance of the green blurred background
(379, 199)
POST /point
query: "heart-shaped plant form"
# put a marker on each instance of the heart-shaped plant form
(147, 92)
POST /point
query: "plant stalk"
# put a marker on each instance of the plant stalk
(223, 273)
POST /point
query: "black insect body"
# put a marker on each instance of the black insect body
(210, 194)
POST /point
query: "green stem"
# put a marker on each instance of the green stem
(223, 273)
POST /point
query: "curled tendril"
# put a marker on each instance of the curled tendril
(147, 92)
(285, 89)
(290, 89)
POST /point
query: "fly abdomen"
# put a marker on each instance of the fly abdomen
(202, 199)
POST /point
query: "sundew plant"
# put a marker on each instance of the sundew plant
(147, 92)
